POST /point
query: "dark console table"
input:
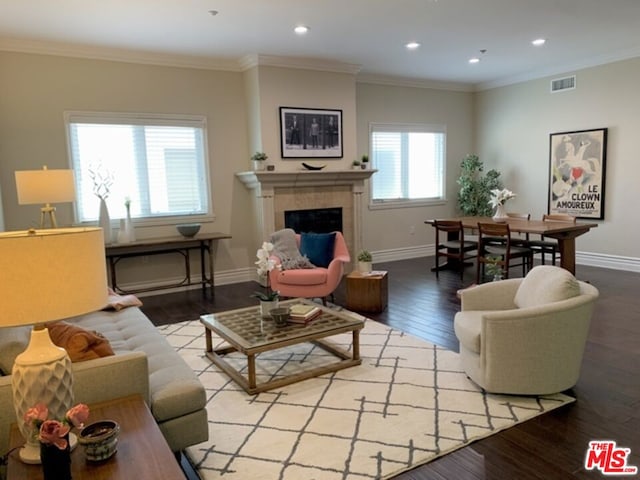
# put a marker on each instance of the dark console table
(202, 242)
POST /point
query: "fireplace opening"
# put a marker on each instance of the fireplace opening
(315, 220)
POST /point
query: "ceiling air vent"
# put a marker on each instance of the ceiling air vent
(562, 84)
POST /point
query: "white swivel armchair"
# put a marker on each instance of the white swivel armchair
(527, 335)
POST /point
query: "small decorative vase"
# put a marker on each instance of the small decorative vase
(501, 214)
(258, 165)
(104, 221)
(266, 307)
(128, 227)
(56, 463)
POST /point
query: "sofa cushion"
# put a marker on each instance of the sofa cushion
(79, 343)
(318, 247)
(174, 388)
(546, 284)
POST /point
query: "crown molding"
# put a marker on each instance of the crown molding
(255, 60)
(564, 70)
(413, 82)
(117, 55)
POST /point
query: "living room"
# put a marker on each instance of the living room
(507, 125)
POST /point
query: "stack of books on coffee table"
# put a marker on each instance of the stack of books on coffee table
(303, 314)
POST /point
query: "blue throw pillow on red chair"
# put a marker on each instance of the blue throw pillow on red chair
(318, 247)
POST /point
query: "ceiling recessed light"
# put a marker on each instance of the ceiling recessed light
(412, 45)
(301, 29)
(474, 60)
(538, 42)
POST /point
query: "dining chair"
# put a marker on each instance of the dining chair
(519, 239)
(543, 247)
(453, 245)
(495, 246)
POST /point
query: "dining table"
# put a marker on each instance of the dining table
(564, 232)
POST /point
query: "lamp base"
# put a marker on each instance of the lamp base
(41, 374)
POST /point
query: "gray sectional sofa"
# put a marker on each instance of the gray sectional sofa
(144, 363)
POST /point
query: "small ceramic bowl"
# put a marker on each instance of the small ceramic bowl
(100, 440)
(188, 229)
(280, 315)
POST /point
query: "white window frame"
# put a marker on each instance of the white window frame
(194, 121)
(382, 204)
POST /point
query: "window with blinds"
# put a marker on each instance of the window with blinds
(159, 163)
(410, 161)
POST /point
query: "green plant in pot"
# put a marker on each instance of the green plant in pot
(493, 268)
(475, 188)
(356, 164)
(364, 261)
(365, 161)
(259, 160)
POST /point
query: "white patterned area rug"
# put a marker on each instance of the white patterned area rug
(407, 404)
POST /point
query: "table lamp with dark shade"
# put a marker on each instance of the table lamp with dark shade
(45, 187)
(47, 275)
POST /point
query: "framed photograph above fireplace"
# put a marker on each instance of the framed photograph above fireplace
(310, 133)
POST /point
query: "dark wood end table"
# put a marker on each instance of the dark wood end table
(143, 453)
(367, 293)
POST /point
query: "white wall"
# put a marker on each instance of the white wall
(513, 124)
(37, 89)
(390, 230)
(288, 87)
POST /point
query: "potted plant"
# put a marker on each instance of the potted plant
(258, 160)
(493, 268)
(269, 298)
(475, 189)
(356, 164)
(364, 261)
(365, 162)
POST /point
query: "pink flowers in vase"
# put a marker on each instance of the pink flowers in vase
(54, 432)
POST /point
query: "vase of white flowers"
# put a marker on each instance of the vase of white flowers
(102, 183)
(498, 199)
(268, 299)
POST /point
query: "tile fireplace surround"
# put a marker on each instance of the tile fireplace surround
(277, 192)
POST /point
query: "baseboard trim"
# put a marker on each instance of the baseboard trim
(227, 277)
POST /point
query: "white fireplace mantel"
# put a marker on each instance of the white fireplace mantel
(266, 185)
(304, 178)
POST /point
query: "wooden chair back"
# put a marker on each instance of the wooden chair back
(494, 239)
(558, 217)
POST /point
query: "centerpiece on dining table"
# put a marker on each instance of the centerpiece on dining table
(498, 198)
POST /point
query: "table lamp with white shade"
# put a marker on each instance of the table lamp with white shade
(47, 275)
(45, 187)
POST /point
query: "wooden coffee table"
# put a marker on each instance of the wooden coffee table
(143, 453)
(241, 329)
